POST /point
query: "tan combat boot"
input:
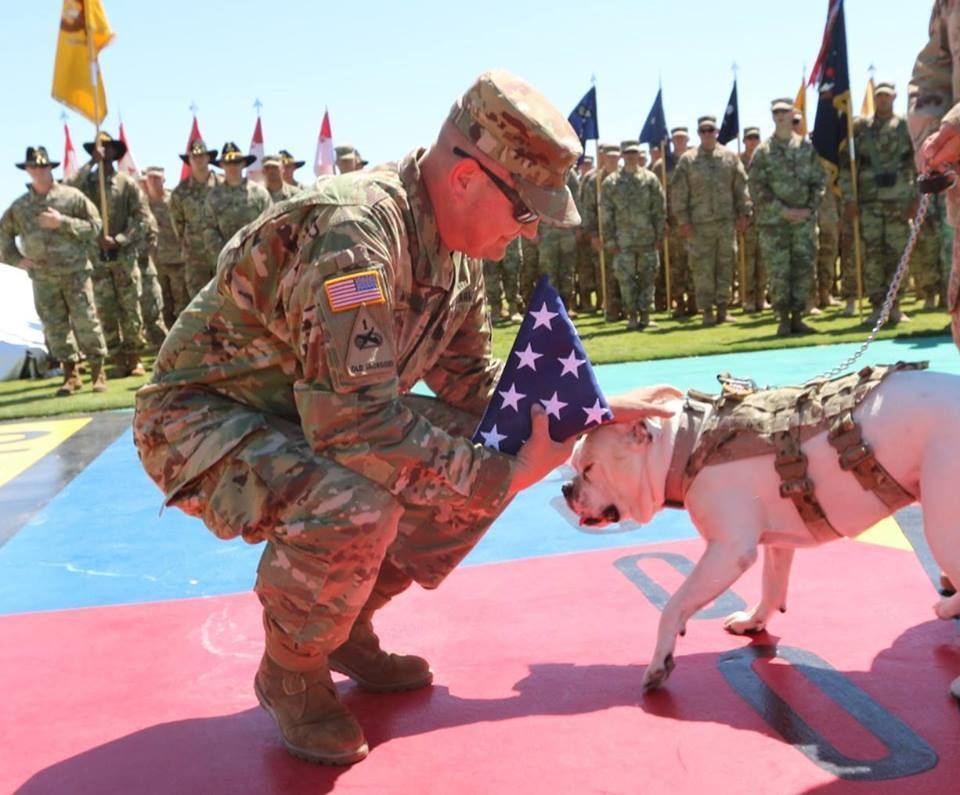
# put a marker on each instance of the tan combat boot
(850, 310)
(72, 382)
(797, 326)
(784, 330)
(313, 723)
(98, 376)
(632, 322)
(646, 321)
(132, 365)
(361, 657)
(708, 318)
(722, 316)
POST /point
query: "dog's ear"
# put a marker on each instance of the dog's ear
(641, 432)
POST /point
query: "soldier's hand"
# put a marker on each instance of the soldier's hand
(595, 243)
(742, 223)
(26, 263)
(51, 218)
(940, 149)
(643, 402)
(108, 243)
(850, 211)
(686, 231)
(540, 455)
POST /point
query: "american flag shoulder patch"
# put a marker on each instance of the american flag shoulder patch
(354, 289)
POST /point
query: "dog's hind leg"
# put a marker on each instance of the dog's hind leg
(941, 523)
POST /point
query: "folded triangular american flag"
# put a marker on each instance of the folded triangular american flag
(547, 365)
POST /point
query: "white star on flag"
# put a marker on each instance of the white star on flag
(595, 413)
(553, 405)
(528, 358)
(571, 364)
(543, 317)
(492, 438)
(512, 398)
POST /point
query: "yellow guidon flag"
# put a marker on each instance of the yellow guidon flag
(868, 108)
(800, 103)
(77, 83)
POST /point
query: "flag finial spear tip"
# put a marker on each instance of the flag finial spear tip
(257, 104)
(193, 107)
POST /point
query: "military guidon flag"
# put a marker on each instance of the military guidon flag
(547, 365)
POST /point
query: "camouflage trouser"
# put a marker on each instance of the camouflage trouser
(712, 250)
(151, 302)
(586, 274)
(885, 233)
(529, 270)
(848, 262)
(614, 305)
(828, 246)
(754, 289)
(327, 528)
(953, 290)
(925, 262)
(946, 244)
(64, 300)
(681, 279)
(636, 269)
(198, 272)
(558, 260)
(173, 283)
(116, 286)
(790, 251)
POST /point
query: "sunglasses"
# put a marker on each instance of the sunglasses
(522, 214)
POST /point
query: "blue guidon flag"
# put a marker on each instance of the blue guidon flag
(547, 365)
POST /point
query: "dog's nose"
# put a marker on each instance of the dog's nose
(611, 513)
(567, 490)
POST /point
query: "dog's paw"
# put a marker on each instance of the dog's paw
(948, 607)
(743, 623)
(657, 674)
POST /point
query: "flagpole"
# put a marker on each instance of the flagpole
(666, 237)
(94, 79)
(603, 263)
(855, 223)
(741, 237)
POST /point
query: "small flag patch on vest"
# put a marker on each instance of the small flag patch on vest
(347, 292)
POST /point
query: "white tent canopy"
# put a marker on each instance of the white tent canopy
(20, 328)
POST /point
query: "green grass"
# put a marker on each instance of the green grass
(604, 342)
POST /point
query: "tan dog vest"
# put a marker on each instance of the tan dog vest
(743, 422)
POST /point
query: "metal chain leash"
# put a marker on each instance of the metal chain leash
(892, 293)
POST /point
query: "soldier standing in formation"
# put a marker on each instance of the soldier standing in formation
(886, 177)
(166, 252)
(633, 209)
(683, 297)
(273, 180)
(557, 256)
(232, 203)
(290, 164)
(786, 182)
(754, 289)
(58, 226)
(348, 159)
(590, 208)
(711, 203)
(117, 281)
(502, 284)
(186, 211)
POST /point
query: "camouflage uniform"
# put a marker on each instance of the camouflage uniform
(925, 263)
(227, 208)
(529, 267)
(286, 191)
(589, 212)
(633, 207)
(709, 192)
(828, 242)
(187, 214)
(62, 272)
(787, 174)
(754, 289)
(168, 256)
(265, 419)
(151, 293)
(117, 282)
(588, 289)
(503, 282)
(886, 192)
(558, 253)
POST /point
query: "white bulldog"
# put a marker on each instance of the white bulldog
(911, 421)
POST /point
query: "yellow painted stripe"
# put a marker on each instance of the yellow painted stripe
(22, 444)
(886, 533)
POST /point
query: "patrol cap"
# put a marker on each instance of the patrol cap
(781, 103)
(705, 123)
(751, 132)
(287, 159)
(37, 156)
(885, 88)
(271, 160)
(587, 159)
(199, 147)
(154, 171)
(347, 152)
(233, 154)
(112, 149)
(630, 146)
(610, 149)
(514, 125)
(683, 132)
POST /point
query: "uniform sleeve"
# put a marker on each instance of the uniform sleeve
(84, 221)
(212, 239)
(139, 218)
(608, 212)
(588, 203)
(358, 420)
(845, 176)
(768, 206)
(263, 200)
(153, 231)
(680, 192)
(658, 208)
(930, 93)
(8, 239)
(741, 193)
(178, 219)
(817, 182)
